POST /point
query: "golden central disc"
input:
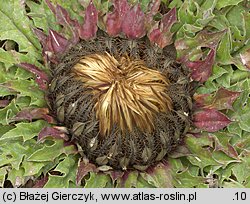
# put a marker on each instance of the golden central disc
(127, 92)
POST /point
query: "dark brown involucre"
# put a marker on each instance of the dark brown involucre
(74, 105)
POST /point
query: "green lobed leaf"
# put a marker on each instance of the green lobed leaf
(8, 112)
(32, 168)
(3, 173)
(160, 176)
(128, 180)
(16, 177)
(142, 183)
(42, 16)
(27, 88)
(25, 130)
(17, 27)
(201, 157)
(4, 129)
(186, 180)
(51, 152)
(224, 3)
(241, 170)
(14, 151)
(67, 168)
(97, 180)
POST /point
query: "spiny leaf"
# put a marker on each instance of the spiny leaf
(201, 100)
(41, 78)
(161, 34)
(16, 177)
(4, 103)
(84, 167)
(99, 180)
(128, 180)
(134, 23)
(241, 170)
(201, 157)
(114, 20)
(32, 168)
(186, 180)
(41, 15)
(153, 8)
(201, 70)
(159, 176)
(115, 175)
(54, 132)
(64, 19)
(49, 153)
(223, 158)
(223, 99)
(27, 88)
(25, 130)
(14, 152)
(3, 173)
(210, 120)
(68, 170)
(8, 112)
(32, 114)
(224, 3)
(188, 48)
(222, 143)
(53, 45)
(17, 27)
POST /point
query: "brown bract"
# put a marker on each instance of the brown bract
(126, 91)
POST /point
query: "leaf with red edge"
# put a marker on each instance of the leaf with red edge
(63, 18)
(114, 20)
(223, 99)
(222, 143)
(159, 176)
(41, 78)
(84, 167)
(34, 113)
(4, 103)
(153, 8)
(161, 34)
(201, 100)
(42, 37)
(201, 70)
(54, 132)
(189, 47)
(128, 180)
(210, 120)
(56, 42)
(53, 44)
(115, 175)
(89, 28)
(133, 25)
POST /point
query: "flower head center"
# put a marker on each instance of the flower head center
(127, 92)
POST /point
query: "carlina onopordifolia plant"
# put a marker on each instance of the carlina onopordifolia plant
(118, 87)
(119, 91)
